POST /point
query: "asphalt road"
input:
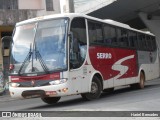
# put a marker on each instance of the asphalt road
(123, 99)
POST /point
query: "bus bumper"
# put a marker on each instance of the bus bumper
(32, 92)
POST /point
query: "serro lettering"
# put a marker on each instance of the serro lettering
(104, 55)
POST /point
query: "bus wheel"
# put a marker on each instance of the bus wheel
(96, 89)
(50, 100)
(141, 83)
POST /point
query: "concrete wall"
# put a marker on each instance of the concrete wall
(31, 4)
(27, 9)
(56, 7)
(11, 17)
(93, 5)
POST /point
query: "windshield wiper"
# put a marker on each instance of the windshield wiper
(43, 64)
(28, 57)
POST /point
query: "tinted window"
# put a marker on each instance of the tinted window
(95, 33)
(78, 28)
(109, 35)
(149, 43)
(122, 36)
(154, 43)
(142, 42)
(132, 36)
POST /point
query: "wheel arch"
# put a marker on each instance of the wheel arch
(98, 75)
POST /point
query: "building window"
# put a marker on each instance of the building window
(49, 5)
(9, 4)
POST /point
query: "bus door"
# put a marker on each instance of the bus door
(78, 50)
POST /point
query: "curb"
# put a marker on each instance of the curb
(4, 93)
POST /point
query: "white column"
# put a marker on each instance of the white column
(67, 6)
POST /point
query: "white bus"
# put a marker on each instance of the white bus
(67, 54)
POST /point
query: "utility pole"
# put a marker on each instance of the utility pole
(67, 6)
(71, 6)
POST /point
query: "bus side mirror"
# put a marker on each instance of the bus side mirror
(6, 44)
(73, 43)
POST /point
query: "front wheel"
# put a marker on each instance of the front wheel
(50, 100)
(96, 89)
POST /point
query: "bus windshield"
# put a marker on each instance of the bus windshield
(39, 47)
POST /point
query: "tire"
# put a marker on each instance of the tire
(96, 89)
(50, 100)
(141, 83)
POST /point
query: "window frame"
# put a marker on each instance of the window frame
(49, 5)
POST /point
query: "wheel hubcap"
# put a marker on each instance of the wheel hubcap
(94, 88)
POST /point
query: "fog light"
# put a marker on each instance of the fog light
(11, 93)
(65, 89)
(11, 67)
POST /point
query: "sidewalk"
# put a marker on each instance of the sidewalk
(5, 97)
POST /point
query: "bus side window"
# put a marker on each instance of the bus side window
(132, 36)
(122, 36)
(78, 28)
(99, 33)
(92, 32)
(109, 34)
(141, 44)
(149, 43)
(153, 39)
(95, 33)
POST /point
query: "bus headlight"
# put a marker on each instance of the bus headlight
(56, 82)
(14, 84)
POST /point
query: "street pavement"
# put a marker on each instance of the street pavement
(123, 98)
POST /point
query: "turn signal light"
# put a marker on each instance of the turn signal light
(11, 67)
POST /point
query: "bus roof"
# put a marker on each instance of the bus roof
(72, 15)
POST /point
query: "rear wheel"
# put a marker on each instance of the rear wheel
(50, 100)
(96, 89)
(141, 83)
